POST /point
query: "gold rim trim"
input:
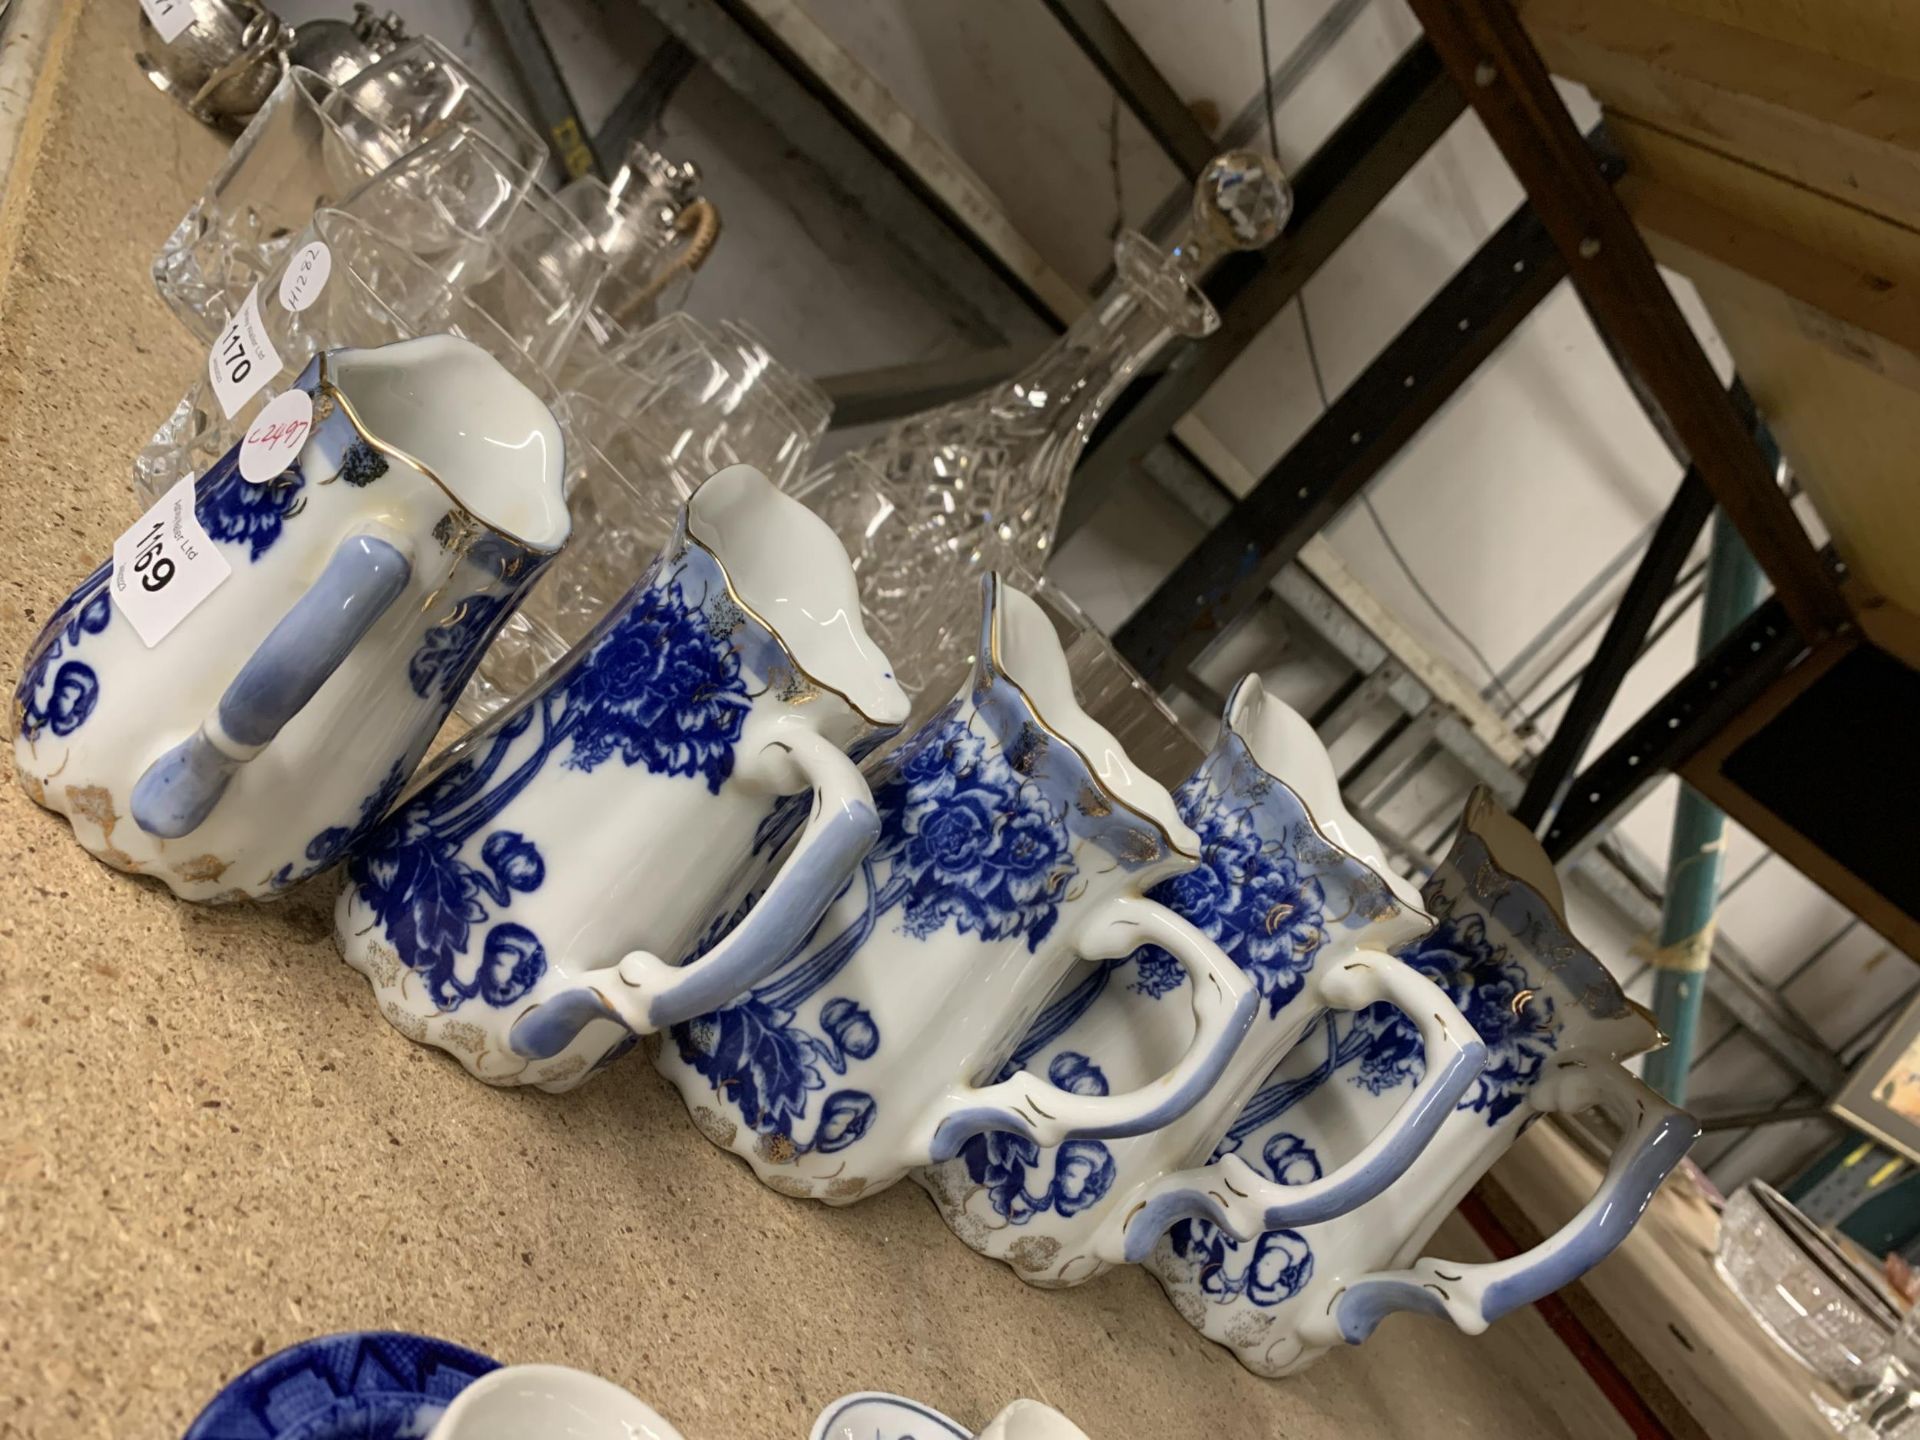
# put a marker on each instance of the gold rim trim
(1480, 805)
(327, 387)
(1418, 912)
(764, 624)
(996, 583)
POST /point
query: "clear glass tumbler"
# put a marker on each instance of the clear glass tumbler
(448, 201)
(376, 292)
(735, 405)
(542, 276)
(308, 147)
(422, 88)
(435, 213)
(594, 344)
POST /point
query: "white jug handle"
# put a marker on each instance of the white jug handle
(1224, 1004)
(648, 994)
(1243, 1202)
(366, 574)
(1474, 1296)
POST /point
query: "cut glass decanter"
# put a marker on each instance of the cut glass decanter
(979, 484)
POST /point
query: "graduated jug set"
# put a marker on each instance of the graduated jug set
(1210, 1032)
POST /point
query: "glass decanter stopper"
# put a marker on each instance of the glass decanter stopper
(979, 483)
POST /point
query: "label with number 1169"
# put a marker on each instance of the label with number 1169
(165, 565)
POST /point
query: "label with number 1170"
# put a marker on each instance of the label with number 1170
(243, 358)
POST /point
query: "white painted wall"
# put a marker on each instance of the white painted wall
(1539, 473)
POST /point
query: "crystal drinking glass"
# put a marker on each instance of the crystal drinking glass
(542, 276)
(736, 405)
(595, 341)
(376, 292)
(447, 202)
(306, 148)
(422, 88)
(625, 496)
(466, 317)
(795, 415)
(434, 213)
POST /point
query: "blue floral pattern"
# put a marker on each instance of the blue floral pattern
(361, 465)
(1083, 1170)
(773, 1066)
(448, 652)
(964, 840)
(326, 848)
(59, 700)
(1494, 993)
(238, 512)
(1156, 973)
(660, 687)
(1278, 1263)
(970, 842)
(1254, 899)
(661, 690)
(370, 1385)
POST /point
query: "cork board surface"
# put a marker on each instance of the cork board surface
(212, 1147)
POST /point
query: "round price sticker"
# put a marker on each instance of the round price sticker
(306, 276)
(275, 437)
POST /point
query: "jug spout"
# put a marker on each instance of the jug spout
(448, 409)
(1280, 741)
(1497, 887)
(1020, 651)
(794, 579)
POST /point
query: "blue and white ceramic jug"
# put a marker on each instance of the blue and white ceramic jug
(1556, 1028)
(1014, 838)
(1294, 890)
(275, 722)
(521, 910)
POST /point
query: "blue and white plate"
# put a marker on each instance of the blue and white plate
(875, 1415)
(369, 1385)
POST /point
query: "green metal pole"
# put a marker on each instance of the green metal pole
(1699, 828)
